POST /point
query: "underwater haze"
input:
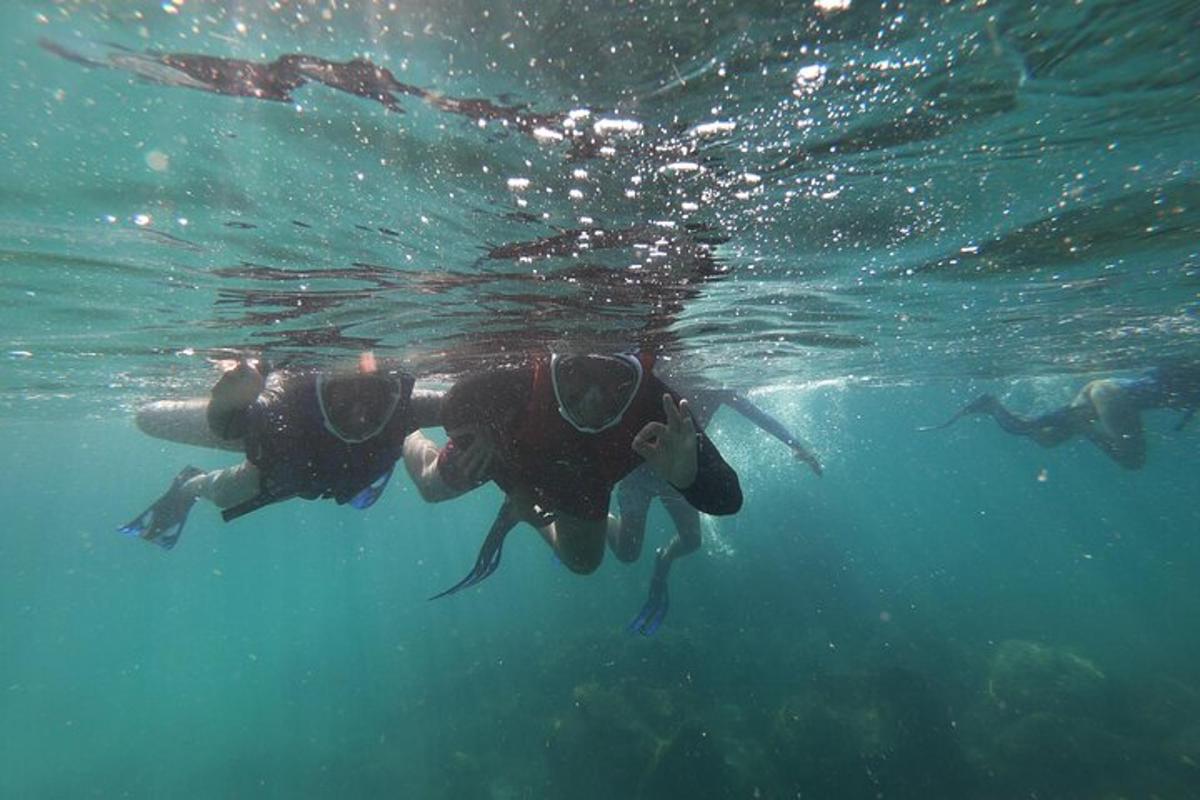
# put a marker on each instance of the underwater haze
(861, 215)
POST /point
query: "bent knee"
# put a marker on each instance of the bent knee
(582, 564)
(627, 554)
(625, 541)
(581, 556)
(580, 543)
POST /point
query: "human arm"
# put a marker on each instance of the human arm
(443, 473)
(421, 462)
(474, 426)
(1187, 417)
(689, 461)
(426, 405)
(485, 400)
(232, 394)
(184, 422)
(774, 427)
(716, 489)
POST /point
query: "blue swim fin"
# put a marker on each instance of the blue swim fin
(651, 617)
(367, 497)
(162, 523)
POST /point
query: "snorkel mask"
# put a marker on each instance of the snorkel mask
(356, 407)
(594, 391)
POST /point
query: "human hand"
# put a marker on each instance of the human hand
(479, 452)
(233, 393)
(670, 448)
(238, 385)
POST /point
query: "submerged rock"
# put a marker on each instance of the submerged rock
(1056, 756)
(1184, 750)
(865, 736)
(1051, 724)
(634, 741)
(1027, 678)
(689, 764)
(600, 746)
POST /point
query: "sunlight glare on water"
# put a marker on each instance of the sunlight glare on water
(907, 190)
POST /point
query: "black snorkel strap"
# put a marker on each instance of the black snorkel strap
(364, 499)
(253, 504)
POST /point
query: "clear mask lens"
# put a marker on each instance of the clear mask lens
(356, 408)
(593, 392)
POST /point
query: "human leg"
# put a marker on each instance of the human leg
(1048, 430)
(687, 527)
(227, 487)
(1118, 430)
(421, 462)
(628, 531)
(162, 523)
(579, 543)
(686, 540)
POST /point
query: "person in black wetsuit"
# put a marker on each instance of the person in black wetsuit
(1106, 412)
(305, 433)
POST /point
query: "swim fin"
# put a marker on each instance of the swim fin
(489, 554)
(367, 497)
(162, 523)
(653, 613)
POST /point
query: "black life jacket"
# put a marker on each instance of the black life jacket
(298, 455)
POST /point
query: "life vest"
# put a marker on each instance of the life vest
(298, 456)
(569, 470)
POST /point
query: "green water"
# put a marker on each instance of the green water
(958, 198)
(846, 641)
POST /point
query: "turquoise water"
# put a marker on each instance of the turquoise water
(903, 205)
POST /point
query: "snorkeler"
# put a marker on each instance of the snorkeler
(557, 436)
(1107, 412)
(278, 80)
(640, 487)
(305, 433)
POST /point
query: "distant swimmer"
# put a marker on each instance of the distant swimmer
(305, 433)
(556, 435)
(278, 81)
(643, 485)
(1107, 412)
